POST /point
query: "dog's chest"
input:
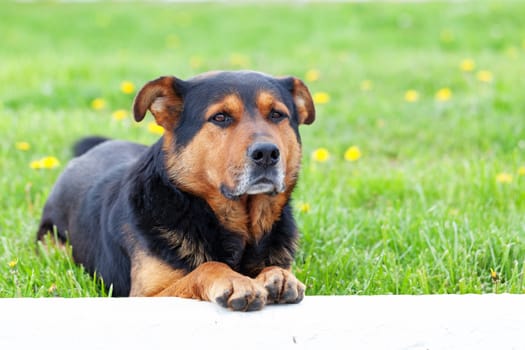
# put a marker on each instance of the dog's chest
(191, 249)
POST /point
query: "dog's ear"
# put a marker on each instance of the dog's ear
(163, 97)
(302, 99)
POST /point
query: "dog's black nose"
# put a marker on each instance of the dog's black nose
(264, 154)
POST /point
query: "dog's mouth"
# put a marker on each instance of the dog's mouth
(271, 184)
(263, 185)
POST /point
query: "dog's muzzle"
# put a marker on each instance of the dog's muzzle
(263, 172)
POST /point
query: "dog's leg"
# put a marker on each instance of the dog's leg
(282, 286)
(211, 281)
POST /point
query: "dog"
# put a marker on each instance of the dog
(203, 213)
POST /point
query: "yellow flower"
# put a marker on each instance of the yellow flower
(443, 94)
(453, 212)
(120, 114)
(52, 288)
(321, 155)
(366, 85)
(196, 62)
(352, 154)
(521, 171)
(155, 128)
(321, 98)
(127, 87)
(45, 163)
(12, 264)
(22, 146)
(411, 96)
(484, 76)
(239, 60)
(312, 75)
(98, 104)
(172, 41)
(512, 52)
(494, 275)
(504, 178)
(304, 207)
(36, 164)
(467, 65)
(446, 36)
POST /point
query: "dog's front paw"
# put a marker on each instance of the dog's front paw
(239, 294)
(282, 286)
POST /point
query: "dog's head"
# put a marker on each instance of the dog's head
(230, 134)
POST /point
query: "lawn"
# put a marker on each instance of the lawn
(413, 177)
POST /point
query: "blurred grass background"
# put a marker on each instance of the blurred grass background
(430, 94)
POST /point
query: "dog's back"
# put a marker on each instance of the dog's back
(97, 158)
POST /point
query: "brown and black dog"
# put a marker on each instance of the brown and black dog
(203, 213)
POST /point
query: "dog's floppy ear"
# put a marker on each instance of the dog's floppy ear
(302, 99)
(163, 97)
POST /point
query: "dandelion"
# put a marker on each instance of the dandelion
(304, 207)
(312, 75)
(321, 155)
(321, 98)
(98, 104)
(172, 41)
(352, 154)
(23, 146)
(504, 178)
(52, 288)
(45, 163)
(120, 114)
(495, 279)
(196, 62)
(454, 212)
(12, 264)
(494, 275)
(484, 76)
(446, 36)
(443, 94)
(411, 96)
(512, 52)
(467, 65)
(239, 60)
(155, 128)
(366, 85)
(521, 171)
(127, 87)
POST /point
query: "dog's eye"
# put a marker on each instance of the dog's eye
(221, 119)
(277, 116)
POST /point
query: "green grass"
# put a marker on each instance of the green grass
(420, 212)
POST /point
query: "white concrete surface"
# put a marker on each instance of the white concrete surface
(353, 322)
